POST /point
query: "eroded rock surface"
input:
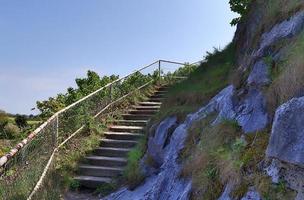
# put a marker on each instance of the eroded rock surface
(157, 143)
(166, 184)
(287, 135)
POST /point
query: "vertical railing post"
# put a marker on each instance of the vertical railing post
(57, 131)
(159, 72)
(111, 96)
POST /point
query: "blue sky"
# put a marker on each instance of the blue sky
(45, 45)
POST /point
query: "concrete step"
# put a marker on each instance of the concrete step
(117, 143)
(122, 135)
(106, 161)
(160, 92)
(142, 112)
(130, 122)
(149, 103)
(136, 116)
(130, 129)
(92, 181)
(156, 108)
(158, 95)
(112, 151)
(162, 88)
(98, 171)
(155, 99)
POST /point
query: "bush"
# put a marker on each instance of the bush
(21, 121)
(11, 131)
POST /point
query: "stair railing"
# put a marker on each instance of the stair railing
(26, 165)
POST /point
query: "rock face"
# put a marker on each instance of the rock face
(157, 143)
(287, 28)
(287, 136)
(252, 194)
(166, 184)
(251, 111)
(259, 74)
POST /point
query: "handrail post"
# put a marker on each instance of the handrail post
(159, 73)
(57, 131)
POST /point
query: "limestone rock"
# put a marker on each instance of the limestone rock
(259, 75)
(156, 144)
(287, 135)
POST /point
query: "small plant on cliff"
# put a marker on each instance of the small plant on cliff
(240, 7)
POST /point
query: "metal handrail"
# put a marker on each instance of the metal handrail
(4, 159)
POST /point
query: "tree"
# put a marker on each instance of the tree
(240, 7)
(21, 121)
(85, 86)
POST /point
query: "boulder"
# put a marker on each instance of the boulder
(287, 28)
(287, 135)
(259, 75)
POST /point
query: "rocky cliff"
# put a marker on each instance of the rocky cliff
(265, 100)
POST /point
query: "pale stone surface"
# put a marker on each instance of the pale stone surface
(252, 194)
(259, 75)
(287, 135)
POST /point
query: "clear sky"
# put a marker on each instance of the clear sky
(46, 44)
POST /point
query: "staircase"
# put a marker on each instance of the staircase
(108, 160)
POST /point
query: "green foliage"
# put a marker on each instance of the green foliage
(215, 160)
(105, 189)
(74, 184)
(240, 7)
(201, 85)
(132, 173)
(11, 131)
(84, 87)
(21, 121)
(4, 120)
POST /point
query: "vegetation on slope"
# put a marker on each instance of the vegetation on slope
(287, 73)
(202, 84)
(217, 155)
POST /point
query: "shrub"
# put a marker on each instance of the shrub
(21, 121)
(11, 131)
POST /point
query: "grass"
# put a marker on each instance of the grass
(215, 160)
(133, 175)
(203, 83)
(288, 78)
(60, 176)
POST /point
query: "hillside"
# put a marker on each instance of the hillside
(244, 138)
(233, 129)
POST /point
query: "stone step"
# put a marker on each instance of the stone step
(98, 171)
(117, 143)
(130, 122)
(156, 108)
(112, 151)
(130, 129)
(136, 116)
(149, 103)
(142, 112)
(106, 161)
(92, 181)
(162, 88)
(161, 92)
(122, 135)
(158, 95)
(156, 99)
